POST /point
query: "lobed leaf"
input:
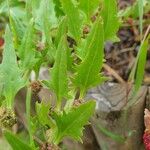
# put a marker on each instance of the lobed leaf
(17, 27)
(26, 51)
(43, 111)
(89, 7)
(58, 9)
(46, 12)
(48, 24)
(11, 76)
(111, 21)
(88, 71)
(59, 77)
(73, 18)
(62, 29)
(71, 123)
(46, 20)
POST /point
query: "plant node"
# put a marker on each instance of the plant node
(48, 146)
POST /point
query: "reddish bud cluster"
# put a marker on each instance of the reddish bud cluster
(146, 136)
(146, 140)
(36, 87)
(1, 42)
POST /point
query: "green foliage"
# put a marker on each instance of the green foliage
(49, 33)
(71, 123)
(87, 74)
(73, 18)
(46, 15)
(111, 20)
(135, 10)
(26, 51)
(59, 79)
(11, 79)
(49, 20)
(15, 142)
(137, 73)
(115, 137)
(89, 7)
(28, 115)
(43, 111)
(17, 27)
(58, 9)
(62, 29)
(16, 6)
(141, 12)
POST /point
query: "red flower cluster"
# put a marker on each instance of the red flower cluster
(1, 42)
(146, 140)
(146, 136)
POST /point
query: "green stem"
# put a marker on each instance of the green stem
(82, 94)
(28, 109)
(58, 106)
(52, 122)
(70, 102)
(26, 74)
(9, 102)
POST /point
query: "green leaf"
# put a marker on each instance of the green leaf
(15, 142)
(129, 11)
(45, 21)
(73, 18)
(11, 76)
(28, 115)
(58, 9)
(88, 71)
(27, 52)
(43, 111)
(46, 12)
(15, 5)
(28, 9)
(71, 123)
(17, 27)
(62, 29)
(113, 136)
(111, 21)
(139, 68)
(59, 81)
(141, 12)
(48, 24)
(135, 10)
(89, 7)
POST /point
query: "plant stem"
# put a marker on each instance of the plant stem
(58, 106)
(132, 74)
(70, 102)
(9, 102)
(28, 108)
(82, 94)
